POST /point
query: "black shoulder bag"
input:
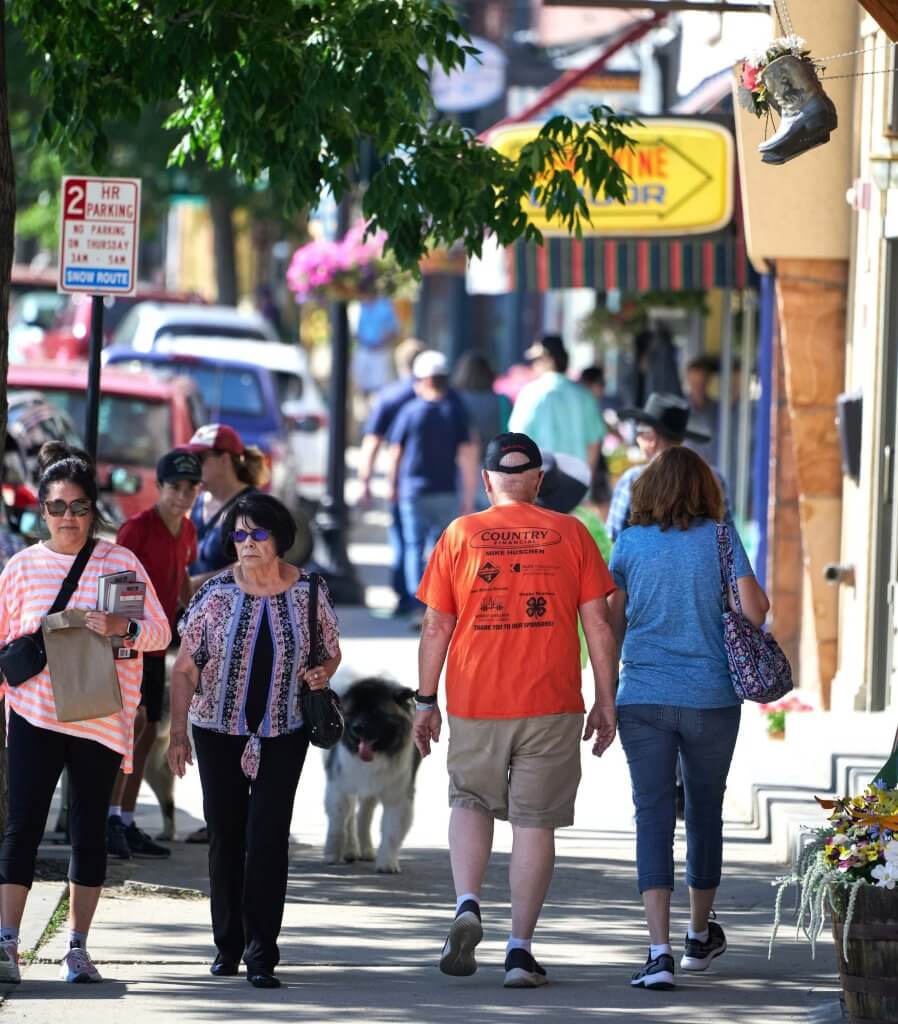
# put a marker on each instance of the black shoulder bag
(23, 658)
(322, 712)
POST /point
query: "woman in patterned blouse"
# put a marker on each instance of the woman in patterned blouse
(245, 652)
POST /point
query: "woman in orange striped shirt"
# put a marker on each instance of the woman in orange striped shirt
(39, 745)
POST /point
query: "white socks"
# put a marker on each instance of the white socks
(514, 943)
(465, 896)
(115, 812)
(127, 818)
(660, 950)
(701, 936)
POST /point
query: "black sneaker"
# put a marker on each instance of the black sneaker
(141, 845)
(698, 955)
(657, 973)
(457, 958)
(116, 840)
(522, 971)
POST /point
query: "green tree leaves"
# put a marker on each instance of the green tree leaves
(287, 89)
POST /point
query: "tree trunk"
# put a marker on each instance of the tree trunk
(222, 210)
(7, 239)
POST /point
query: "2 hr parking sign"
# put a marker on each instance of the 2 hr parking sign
(98, 235)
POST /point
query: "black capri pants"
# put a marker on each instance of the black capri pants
(36, 760)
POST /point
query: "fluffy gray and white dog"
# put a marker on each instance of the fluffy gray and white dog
(375, 763)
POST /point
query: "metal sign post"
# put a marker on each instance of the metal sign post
(98, 256)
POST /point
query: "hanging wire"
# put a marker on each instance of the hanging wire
(783, 16)
(854, 53)
(859, 74)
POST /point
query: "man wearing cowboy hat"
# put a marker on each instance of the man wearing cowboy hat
(663, 423)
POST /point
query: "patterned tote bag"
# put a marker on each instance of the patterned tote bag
(758, 668)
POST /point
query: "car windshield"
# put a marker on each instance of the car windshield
(132, 430)
(224, 389)
(211, 330)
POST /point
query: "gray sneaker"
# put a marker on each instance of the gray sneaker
(698, 955)
(9, 963)
(457, 958)
(78, 968)
(657, 973)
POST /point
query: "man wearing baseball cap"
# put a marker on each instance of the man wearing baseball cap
(431, 446)
(504, 590)
(164, 540)
(230, 469)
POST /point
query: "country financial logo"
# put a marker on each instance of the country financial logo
(511, 539)
(536, 607)
(488, 572)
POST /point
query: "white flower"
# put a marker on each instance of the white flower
(839, 839)
(891, 851)
(884, 877)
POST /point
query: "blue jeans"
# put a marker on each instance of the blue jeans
(653, 737)
(423, 518)
(397, 564)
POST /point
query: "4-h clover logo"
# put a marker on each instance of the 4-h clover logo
(536, 607)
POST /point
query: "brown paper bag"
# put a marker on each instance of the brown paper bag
(82, 668)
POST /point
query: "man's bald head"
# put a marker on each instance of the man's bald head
(520, 486)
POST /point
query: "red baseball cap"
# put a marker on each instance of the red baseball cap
(217, 437)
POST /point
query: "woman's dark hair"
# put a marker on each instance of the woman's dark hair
(473, 373)
(264, 511)
(57, 463)
(676, 487)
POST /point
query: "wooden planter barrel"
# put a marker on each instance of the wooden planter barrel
(869, 977)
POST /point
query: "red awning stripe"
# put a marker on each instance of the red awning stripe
(634, 265)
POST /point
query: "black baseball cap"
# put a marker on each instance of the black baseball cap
(503, 445)
(179, 465)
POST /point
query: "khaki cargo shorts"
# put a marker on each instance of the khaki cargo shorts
(523, 770)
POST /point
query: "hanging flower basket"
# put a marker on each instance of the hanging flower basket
(753, 93)
(353, 267)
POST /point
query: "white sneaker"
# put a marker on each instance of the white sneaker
(9, 963)
(78, 967)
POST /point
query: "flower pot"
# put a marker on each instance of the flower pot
(776, 734)
(869, 976)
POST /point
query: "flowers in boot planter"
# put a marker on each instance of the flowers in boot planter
(858, 847)
(776, 713)
(753, 94)
(346, 269)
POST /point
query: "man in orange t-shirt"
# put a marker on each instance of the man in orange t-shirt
(504, 589)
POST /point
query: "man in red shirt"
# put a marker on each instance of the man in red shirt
(504, 590)
(164, 539)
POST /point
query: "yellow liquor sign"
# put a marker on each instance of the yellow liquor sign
(681, 180)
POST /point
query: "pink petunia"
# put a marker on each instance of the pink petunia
(750, 76)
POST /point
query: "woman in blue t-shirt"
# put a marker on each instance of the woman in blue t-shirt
(675, 698)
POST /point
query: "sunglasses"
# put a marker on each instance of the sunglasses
(79, 507)
(239, 536)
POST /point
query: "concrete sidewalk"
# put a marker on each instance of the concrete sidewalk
(357, 946)
(364, 947)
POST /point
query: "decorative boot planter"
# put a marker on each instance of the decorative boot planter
(869, 976)
(808, 115)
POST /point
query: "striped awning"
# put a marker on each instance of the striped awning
(632, 264)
